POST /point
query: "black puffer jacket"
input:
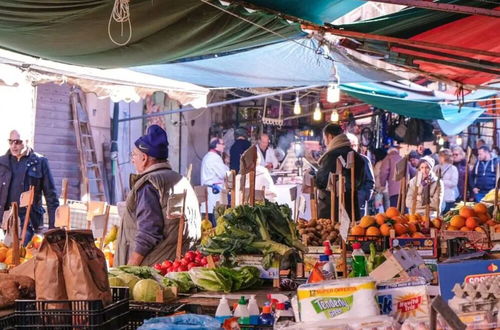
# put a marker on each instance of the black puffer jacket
(328, 165)
(38, 175)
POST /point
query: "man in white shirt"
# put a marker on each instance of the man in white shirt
(213, 172)
(267, 155)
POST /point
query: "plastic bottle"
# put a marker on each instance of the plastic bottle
(241, 311)
(358, 261)
(283, 314)
(223, 311)
(253, 310)
(266, 318)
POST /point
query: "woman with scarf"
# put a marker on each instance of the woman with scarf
(338, 145)
(425, 181)
(449, 175)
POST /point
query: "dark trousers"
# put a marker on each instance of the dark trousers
(211, 218)
(393, 200)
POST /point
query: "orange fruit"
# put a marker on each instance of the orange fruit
(457, 221)
(385, 229)
(380, 218)
(357, 231)
(418, 235)
(497, 229)
(471, 223)
(413, 218)
(9, 260)
(491, 223)
(392, 212)
(400, 229)
(400, 219)
(467, 212)
(480, 208)
(452, 228)
(3, 254)
(484, 217)
(480, 230)
(404, 236)
(412, 228)
(367, 221)
(437, 223)
(465, 228)
(372, 231)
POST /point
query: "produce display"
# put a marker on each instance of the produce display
(315, 232)
(471, 217)
(226, 279)
(404, 225)
(190, 260)
(267, 228)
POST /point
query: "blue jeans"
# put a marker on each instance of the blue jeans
(478, 197)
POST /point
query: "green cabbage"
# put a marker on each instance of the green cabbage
(129, 280)
(116, 281)
(145, 290)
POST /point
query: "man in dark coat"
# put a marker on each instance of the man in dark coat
(482, 176)
(21, 168)
(240, 145)
(338, 145)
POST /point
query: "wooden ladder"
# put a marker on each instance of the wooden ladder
(89, 166)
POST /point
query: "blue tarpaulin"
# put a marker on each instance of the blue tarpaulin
(285, 64)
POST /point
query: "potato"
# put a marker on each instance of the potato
(319, 227)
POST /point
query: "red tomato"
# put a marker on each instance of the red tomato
(166, 264)
(191, 265)
(183, 268)
(176, 263)
(198, 254)
(158, 267)
(190, 254)
(184, 262)
(197, 259)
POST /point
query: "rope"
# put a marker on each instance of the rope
(120, 14)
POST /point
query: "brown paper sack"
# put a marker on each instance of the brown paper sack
(84, 268)
(48, 270)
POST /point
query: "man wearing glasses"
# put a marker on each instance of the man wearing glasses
(21, 168)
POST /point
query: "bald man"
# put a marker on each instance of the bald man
(267, 156)
(21, 168)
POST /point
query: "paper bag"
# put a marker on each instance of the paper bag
(49, 279)
(84, 268)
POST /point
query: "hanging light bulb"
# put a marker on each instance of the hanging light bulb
(441, 140)
(459, 140)
(333, 93)
(317, 113)
(297, 109)
(335, 116)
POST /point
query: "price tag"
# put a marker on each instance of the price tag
(97, 225)
(293, 193)
(302, 204)
(344, 222)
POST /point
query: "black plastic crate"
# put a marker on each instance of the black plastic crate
(8, 322)
(381, 243)
(74, 314)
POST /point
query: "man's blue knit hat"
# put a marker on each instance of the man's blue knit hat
(154, 143)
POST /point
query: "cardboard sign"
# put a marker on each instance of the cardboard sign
(224, 200)
(401, 169)
(98, 225)
(175, 205)
(307, 183)
(293, 193)
(95, 208)
(248, 160)
(345, 223)
(63, 214)
(26, 198)
(302, 204)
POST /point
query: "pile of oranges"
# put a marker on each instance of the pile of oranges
(473, 218)
(408, 225)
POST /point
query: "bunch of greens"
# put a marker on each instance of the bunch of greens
(226, 279)
(266, 228)
(143, 272)
(181, 280)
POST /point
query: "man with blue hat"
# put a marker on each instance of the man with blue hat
(148, 233)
